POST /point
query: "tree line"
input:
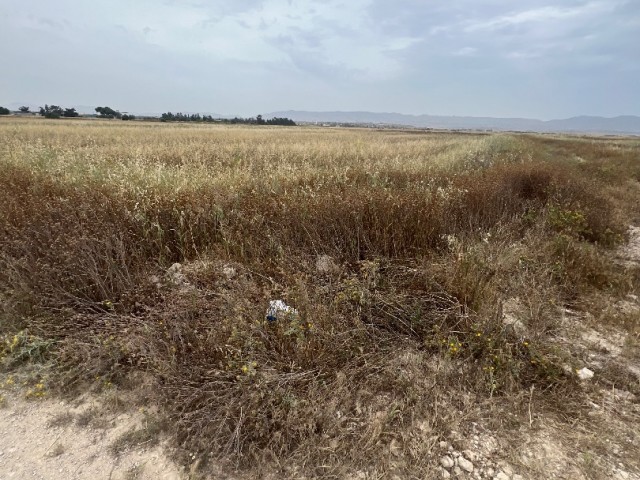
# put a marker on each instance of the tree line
(56, 111)
(196, 117)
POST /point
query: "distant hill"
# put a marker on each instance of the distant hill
(623, 124)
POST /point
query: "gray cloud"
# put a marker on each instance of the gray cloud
(496, 57)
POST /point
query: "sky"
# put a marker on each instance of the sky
(503, 58)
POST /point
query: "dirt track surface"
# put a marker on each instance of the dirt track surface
(32, 448)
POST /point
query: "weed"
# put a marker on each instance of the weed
(432, 237)
(61, 420)
(148, 435)
(91, 416)
(57, 450)
(134, 472)
(22, 347)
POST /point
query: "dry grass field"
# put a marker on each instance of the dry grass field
(448, 287)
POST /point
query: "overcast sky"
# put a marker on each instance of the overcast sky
(530, 58)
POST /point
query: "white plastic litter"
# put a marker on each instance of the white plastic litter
(585, 374)
(279, 310)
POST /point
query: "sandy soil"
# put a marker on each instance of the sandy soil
(40, 440)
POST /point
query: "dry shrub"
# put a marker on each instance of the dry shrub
(328, 380)
(431, 235)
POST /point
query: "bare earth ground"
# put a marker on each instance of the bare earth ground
(53, 439)
(40, 440)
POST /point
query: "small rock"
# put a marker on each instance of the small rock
(444, 445)
(444, 473)
(501, 476)
(446, 461)
(471, 455)
(229, 272)
(457, 471)
(465, 464)
(516, 477)
(490, 471)
(326, 264)
(585, 374)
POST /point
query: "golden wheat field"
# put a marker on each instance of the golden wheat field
(447, 289)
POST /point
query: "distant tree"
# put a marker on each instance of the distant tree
(24, 109)
(4, 111)
(128, 117)
(70, 112)
(196, 117)
(281, 121)
(107, 112)
(51, 111)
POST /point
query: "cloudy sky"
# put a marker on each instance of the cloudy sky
(531, 58)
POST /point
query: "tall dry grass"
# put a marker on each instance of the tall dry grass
(429, 234)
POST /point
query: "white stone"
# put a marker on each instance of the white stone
(516, 477)
(501, 476)
(585, 374)
(507, 470)
(444, 473)
(465, 464)
(229, 271)
(456, 471)
(446, 461)
(326, 264)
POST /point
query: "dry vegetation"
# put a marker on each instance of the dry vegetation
(403, 253)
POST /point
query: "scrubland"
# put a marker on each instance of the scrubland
(444, 284)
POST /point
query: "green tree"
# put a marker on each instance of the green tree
(51, 111)
(108, 112)
(70, 112)
(4, 111)
(24, 109)
(281, 121)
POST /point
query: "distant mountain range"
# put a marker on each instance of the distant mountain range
(628, 124)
